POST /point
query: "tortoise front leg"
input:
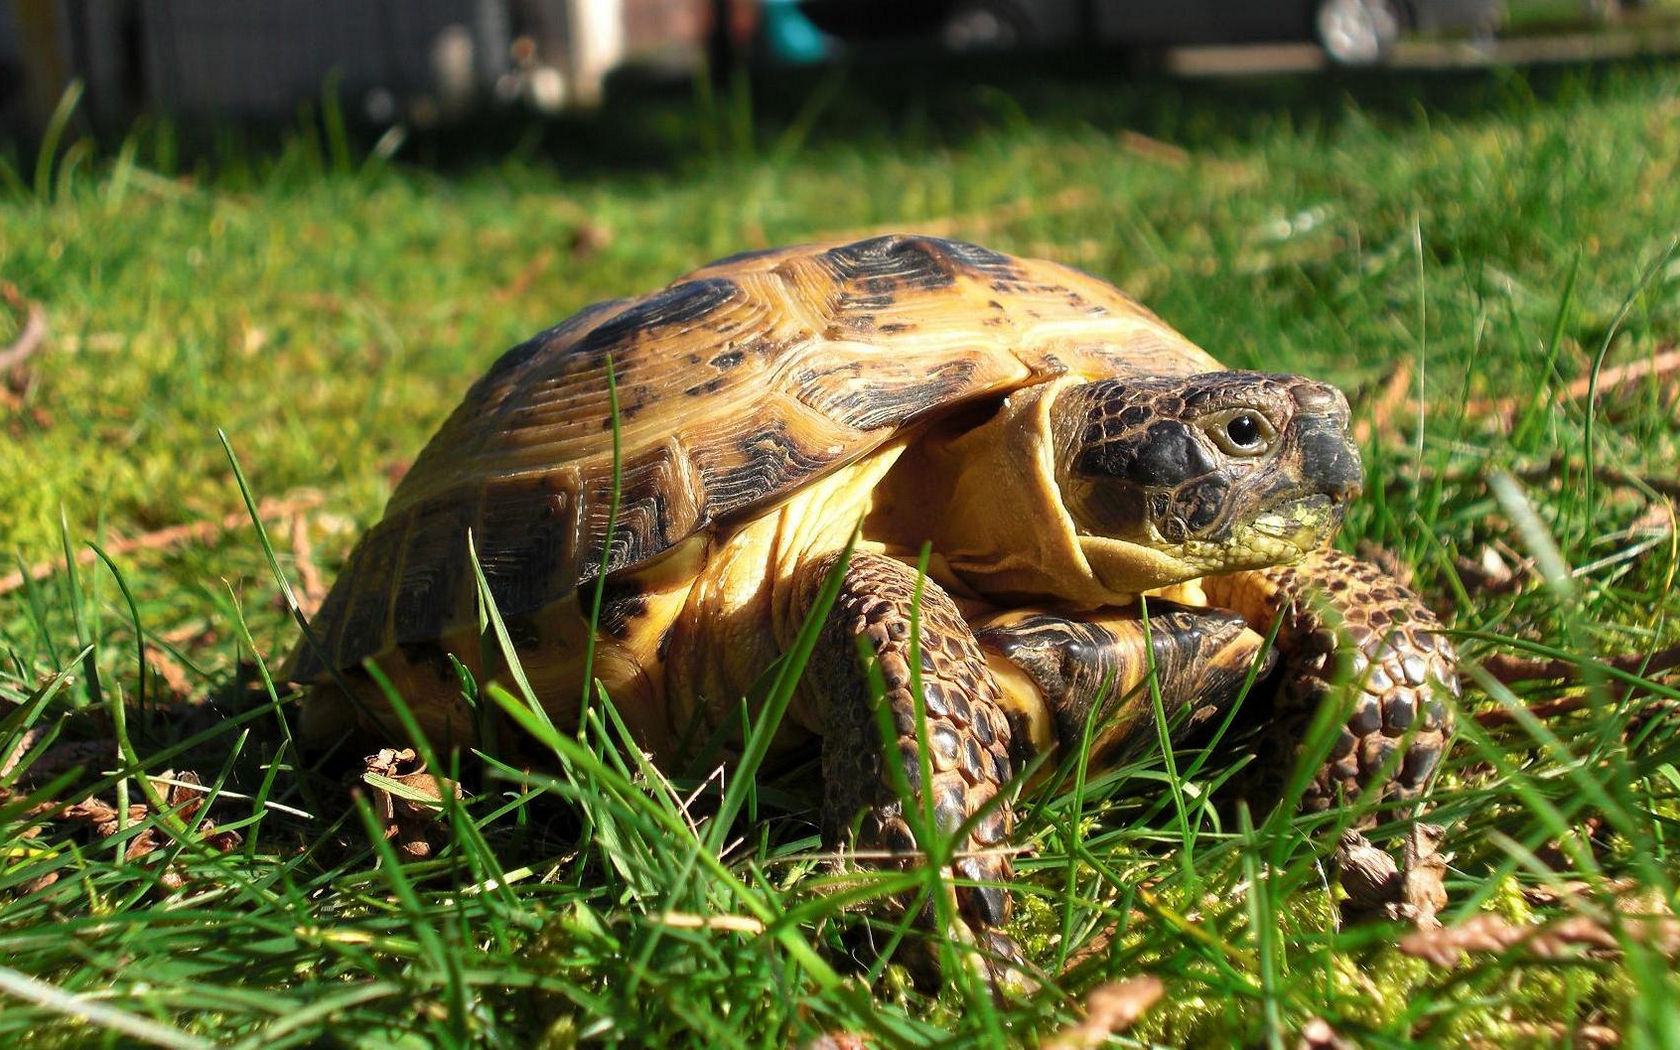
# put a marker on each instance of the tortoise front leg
(966, 734)
(1397, 656)
(1088, 671)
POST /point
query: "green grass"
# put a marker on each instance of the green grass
(1502, 236)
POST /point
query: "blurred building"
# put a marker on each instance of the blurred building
(390, 59)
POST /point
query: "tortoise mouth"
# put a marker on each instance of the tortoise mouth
(1302, 521)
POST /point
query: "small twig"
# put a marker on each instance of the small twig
(1513, 669)
(165, 539)
(1504, 716)
(1550, 470)
(1153, 148)
(525, 278)
(31, 336)
(1509, 669)
(1661, 364)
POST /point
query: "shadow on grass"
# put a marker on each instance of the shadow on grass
(906, 104)
(898, 101)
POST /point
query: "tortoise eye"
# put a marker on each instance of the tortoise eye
(1244, 432)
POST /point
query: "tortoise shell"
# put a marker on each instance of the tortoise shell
(737, 385)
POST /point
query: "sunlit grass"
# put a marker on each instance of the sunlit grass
(1499, 238)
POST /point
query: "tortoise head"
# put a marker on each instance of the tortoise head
(1202, 474)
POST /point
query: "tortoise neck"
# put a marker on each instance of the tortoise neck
(986, 498)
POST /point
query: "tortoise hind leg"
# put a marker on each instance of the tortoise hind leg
(966, 734)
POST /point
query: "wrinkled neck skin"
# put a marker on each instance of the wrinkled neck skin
(1003, 527)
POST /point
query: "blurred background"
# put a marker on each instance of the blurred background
(434, 61)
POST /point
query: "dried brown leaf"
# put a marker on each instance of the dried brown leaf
(312, 588)
(1423, 887)
(1387, 404)
(1109, 1010)
(837, 1041)
(30, 338)
(174, 676)
(1317, 1034)
(412, 823)
(1446, 946)
(1370, 878)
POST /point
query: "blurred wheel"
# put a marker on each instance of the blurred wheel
(1359, 32)
(982, 27)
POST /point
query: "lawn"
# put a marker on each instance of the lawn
(1485, 261)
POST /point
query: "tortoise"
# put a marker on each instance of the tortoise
(1099, 497)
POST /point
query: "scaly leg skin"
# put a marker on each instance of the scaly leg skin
(1398, 658)
(1064, 665)
(967, 742)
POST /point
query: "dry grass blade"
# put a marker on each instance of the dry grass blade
(525, 278)
(729, 923)
(1139, 144)
(175, 677)
(1109, 1009)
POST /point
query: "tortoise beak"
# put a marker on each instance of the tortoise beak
(1329, 459)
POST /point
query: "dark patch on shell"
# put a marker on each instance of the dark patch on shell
(889, 404)
(622, 603)
(434, 571)
(377, 558)
(676, 306)
(892, 264)
(767, 460)
(747, 256)
(524, 632)
(429, 655)
(525, 532)
(710, 386)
